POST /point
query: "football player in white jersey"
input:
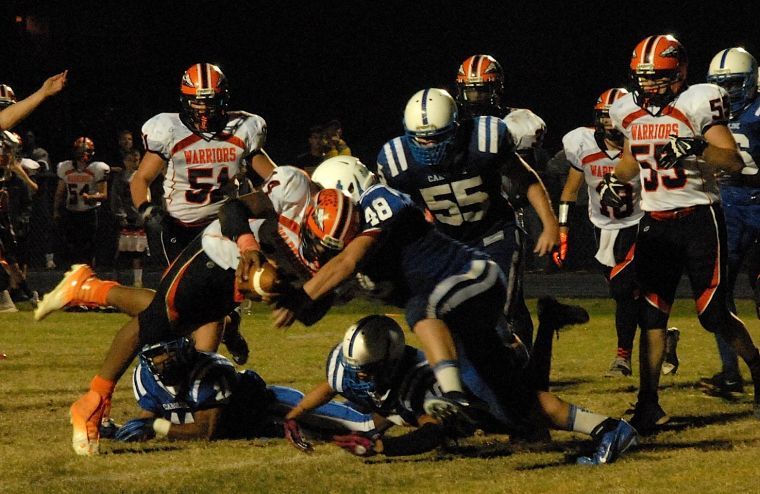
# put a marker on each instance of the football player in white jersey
(12, 112)
(82, 188)
(676, 138)
(592, 152)
(203, 148)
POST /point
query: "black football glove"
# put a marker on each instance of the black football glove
(610, 191)
(152, 216)
(679, 147)
(136, 430)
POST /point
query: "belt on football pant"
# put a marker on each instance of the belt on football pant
(672, 214)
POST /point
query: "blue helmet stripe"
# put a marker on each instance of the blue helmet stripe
(424, 106)
(723, 59)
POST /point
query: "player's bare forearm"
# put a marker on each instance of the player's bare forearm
(339, 268)
(204, 426)
(549, 237)
(572, 186)
(724, 159)
(12, 115)
(262, 164)
(315, 398)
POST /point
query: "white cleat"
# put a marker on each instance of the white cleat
(65, 292)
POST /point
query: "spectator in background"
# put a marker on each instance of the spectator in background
(82, 186)
(335, 145)
(133, 242)
(309, 160)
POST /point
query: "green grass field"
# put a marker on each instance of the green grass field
(710, 445)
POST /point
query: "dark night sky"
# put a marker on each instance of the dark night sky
(300, 63)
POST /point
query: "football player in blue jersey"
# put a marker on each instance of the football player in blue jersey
(455, 169)
(735, 70)
(187, 394)
(453, 295)
(378, 373)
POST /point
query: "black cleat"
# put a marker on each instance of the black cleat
(722, 385)
(648, 417)
(670, 364)
(234, 341)
(558, 315)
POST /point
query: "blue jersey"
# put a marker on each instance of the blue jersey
(410, 253)
(746, 131)
(412, 382)
(212, 382)
(464, 194)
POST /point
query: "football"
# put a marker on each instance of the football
(261, 282)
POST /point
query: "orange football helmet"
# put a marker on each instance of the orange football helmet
(331, 222)
(658, 70)
(7, 96)
(602, 123)
(480, 85)
(204, 97)
(84, 149)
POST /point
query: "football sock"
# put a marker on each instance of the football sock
(447, 374)
(95, 291)
(137, 276)
(103, 387)
(581, 420)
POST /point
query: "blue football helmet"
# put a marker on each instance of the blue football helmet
(430, 123)
(735, 70)
(169, 361)
(371, 351)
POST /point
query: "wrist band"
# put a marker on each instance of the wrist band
(246, 242)
(564, 212)
(161, 427)
(142, 207)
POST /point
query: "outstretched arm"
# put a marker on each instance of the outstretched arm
(11, 116)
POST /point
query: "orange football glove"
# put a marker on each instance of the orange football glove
(560, 254)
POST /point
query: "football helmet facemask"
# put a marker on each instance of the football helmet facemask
(169, 361)
(602, 123)
(331, 222)
(480, 86)
(430, 123)
(344, 173)
(204, 97)
(7, 96)
(371, 351)
(83, 149)
(735, 70)
(658, 70)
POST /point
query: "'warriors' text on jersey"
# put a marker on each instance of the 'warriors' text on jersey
(691, 181)
(585, 155)
(201, 167)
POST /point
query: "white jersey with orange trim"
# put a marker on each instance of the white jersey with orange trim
(584, 154)
(84, 181)
(527, 128)
(289, 189)
(201, 166)
(692, 181)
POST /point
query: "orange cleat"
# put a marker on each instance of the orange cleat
(86, 414)
(79, 286)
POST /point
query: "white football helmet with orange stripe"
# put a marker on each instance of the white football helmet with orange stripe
(204, 97)
(602, 122)
(658, 70)
(345, 173)
(7, 96)
(330, 224)
(480, 86)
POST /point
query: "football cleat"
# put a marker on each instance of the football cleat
(612, 444)
(647, 417)
(86, 415)
(234, 341)
(722, 385)
(670, 364)
(620, 367)
(65, 292)
(558, 315)
(457, 410)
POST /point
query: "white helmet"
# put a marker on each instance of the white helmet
(735, 70)
(374, 340)
(346, 173)
(7, 96)
(430, 122)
